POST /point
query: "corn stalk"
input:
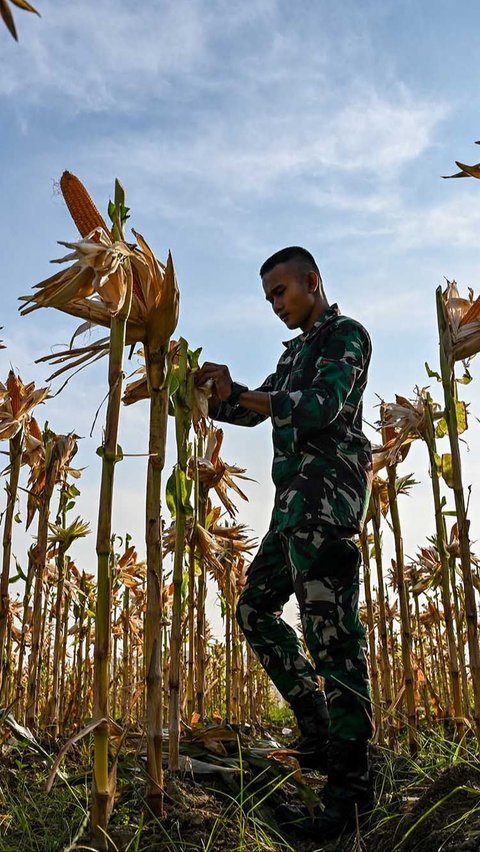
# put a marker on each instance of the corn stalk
(447, 371)
(371, 635)
(15, 453)
(406, 634)
(155, 359)
(39, 558)
(103, 788)
(383, 629)
(430, 440)
(178, 497)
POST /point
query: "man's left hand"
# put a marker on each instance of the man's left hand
(220, 374)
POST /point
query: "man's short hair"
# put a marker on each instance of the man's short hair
(292, 253)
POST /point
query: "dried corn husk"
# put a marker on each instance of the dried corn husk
(99, 268)
(217, 474)
(60, 448)
(94, 289)
(17, 401)
(462, 339)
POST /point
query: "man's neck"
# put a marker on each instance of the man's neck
(317, 311)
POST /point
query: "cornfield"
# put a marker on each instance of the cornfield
(127, 655)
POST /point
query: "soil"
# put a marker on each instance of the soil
(444, 818)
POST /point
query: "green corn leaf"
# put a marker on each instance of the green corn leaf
(171, 495)
(111, 211)
(447, 471)
(441, 428)
(432, 373)
(20, 572)
(461, 410)
(174, 383)
(466, 378)
(194, 357)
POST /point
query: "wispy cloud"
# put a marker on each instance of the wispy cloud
(247, 154)
(98, 56)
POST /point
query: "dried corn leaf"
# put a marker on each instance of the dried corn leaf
(6, 14)
(463, 319)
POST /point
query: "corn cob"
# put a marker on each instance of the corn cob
(82, 209)
(13, 387)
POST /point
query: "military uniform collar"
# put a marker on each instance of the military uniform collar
(331, 312)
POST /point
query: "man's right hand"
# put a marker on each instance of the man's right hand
(220, 375)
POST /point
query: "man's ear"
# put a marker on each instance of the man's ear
(312, 281)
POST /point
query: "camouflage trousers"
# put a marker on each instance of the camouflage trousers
(321, 568)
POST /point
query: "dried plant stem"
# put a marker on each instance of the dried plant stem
(406, 632)
(200, 638)
(39, 556)
(102, 794)
(192, 565)
(236, 669)
(382, 617)
(182, 428)
(449, 389)
(454, 672)
(228, 641)
(15, 452)
(55, 705)
(377, 709)
(26, 603)
(158, 387)
(176, 631)
(459, 615)
(126, 672)
(191, 634)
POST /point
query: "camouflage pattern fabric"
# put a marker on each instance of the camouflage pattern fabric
(320, 565)
(322, 460)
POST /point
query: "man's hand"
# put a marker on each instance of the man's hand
(220, 375)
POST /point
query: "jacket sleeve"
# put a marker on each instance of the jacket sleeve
(299, 414)
(239, 416)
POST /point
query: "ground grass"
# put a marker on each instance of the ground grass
(427, 804)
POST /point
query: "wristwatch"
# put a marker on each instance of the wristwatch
(237, 389)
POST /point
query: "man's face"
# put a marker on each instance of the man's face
(291, 293)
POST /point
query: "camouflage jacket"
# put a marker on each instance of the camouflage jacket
(322, 467)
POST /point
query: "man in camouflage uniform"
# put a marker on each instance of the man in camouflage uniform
(322, 475)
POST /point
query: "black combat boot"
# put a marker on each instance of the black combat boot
(312, 716)
(348, 793)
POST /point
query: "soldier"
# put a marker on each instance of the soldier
(322, 476)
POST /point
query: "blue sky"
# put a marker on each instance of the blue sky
(238, 128)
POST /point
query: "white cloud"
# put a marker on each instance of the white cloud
(89, 53)
(453, 222)
(243, 153)
(112, 55)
